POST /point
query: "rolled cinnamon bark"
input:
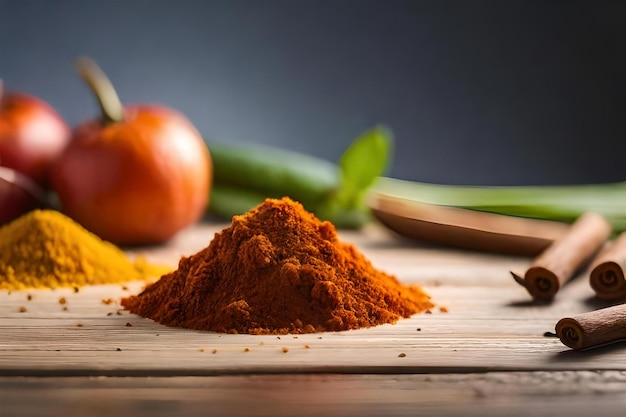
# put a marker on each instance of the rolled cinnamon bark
(593, 329)
(607, 274)
(558, 263)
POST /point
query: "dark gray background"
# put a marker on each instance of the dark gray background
(481, 92)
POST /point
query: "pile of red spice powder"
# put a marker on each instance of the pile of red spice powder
(276, 270)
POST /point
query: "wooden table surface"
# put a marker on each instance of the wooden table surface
(482, 351)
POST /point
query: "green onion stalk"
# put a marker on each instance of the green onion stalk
(564, 203)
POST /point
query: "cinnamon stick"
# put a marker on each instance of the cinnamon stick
(593, 329)
(607, 274)
(559, 262)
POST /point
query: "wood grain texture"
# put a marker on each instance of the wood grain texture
(512, 394)
(489, 325)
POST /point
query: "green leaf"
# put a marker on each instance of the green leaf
(362, 163)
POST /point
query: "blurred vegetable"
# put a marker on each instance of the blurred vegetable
(136, 176)
(360, 165)
(227, 201)
(549, 202)
(18, 195)
(274, 172)
(32, 135)
(247, 174)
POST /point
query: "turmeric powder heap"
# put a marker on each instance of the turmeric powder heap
(46, 249)
(277, 269)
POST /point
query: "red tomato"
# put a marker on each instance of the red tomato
(32, 135)
(137, 181)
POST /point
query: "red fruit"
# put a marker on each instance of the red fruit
(18, 195)
(138, 177)
(32, 135)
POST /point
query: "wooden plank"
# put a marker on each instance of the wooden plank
(477, 335)
(490, 325)
(572, 394)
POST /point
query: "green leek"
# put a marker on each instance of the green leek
(563, 203)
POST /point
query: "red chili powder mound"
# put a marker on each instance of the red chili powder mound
(276, 270)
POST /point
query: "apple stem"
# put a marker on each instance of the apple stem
(110, 104)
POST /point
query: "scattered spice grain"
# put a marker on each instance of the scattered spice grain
(402, 355)
(29, 297)
(128, 324)
(285, 349)
(62, 300)
(22, 309)
(276, 270)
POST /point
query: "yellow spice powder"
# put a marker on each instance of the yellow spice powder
(46, 249)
